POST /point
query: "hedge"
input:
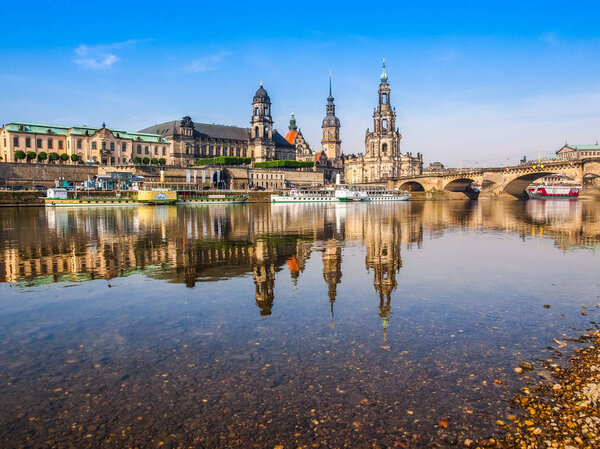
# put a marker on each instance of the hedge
(284, 163)
(224, 160)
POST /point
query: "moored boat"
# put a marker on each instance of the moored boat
(59, 197)
(305, 196)
(558, 191)
(218, 198)
(387, 195)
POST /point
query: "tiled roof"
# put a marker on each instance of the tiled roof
(58, 130)
(583, 147)
(291, 136)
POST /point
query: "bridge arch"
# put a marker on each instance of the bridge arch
(412, 186)
(459, 185)
(517, 186)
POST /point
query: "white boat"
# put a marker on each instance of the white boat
(379, 194)
(349, 195)
(555, 191)
(305, 196)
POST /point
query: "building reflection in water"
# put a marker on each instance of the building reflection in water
(189, 245)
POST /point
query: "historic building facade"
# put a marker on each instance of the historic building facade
(261, 141)
(382, 158)
(101, 145)
(572, 152)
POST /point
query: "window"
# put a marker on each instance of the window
(28, 142)
(256, 132)
(49, 143)
(210, 150)
(156, 151)
(384, 124)
(384, 98)
(146, 150)
(112, 146)
(139, 149)
(164, 151)
(255, 111)
(16, 141)
(112, 160)
(60, 145)
(94, 145)
(79, 144)
(124, 146)
(38, 143)
(218, 151)
(104, 145)
(384, 148)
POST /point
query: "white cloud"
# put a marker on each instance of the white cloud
(206, 63)
(99, 57)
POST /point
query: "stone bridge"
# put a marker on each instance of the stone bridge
(502, 180)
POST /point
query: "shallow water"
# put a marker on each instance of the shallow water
(358, 325)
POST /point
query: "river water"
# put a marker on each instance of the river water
(351, 325)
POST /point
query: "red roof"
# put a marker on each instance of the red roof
(291, 136)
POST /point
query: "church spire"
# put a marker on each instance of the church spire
(384, 76)
(330, 97)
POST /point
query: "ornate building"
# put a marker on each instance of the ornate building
(295, 137)
(261, 141)
(101, 145)
(382, 159)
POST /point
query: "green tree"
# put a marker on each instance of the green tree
(42, 156)
(31, 155)
(154, 161)
(75, 158)
(162, 161)
(137, 160)
(64, 157)
(53, 156)
(20, 155)
(146, 160)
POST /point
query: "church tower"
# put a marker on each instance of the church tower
(262, 145)
(331, 143)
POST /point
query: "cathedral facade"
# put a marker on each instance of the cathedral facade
(382, 159)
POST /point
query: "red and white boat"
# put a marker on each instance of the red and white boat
(553, 191)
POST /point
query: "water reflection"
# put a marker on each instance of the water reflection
(191, 245)
(348, 315)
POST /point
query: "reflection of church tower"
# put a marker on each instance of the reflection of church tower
(382, 241)
(332, 270)
(263, 272)
(263, 147)
(297, 262)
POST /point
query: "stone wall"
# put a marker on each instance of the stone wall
(28, 175)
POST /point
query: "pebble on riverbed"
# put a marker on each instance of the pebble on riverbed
(564, 412)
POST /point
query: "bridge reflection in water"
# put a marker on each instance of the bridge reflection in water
(193, 245)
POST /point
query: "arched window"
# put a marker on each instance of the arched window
(267, 110)
(384, 148)
(384, 98)
(256, 132)
(255, 111)
(266, 131)
(384, 124)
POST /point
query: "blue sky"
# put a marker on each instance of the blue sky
(477, 82)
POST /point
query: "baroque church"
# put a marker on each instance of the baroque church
(382, 159)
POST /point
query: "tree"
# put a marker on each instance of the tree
(53, 156)
(154, 161)
(42, 156)
(64, 157)
(146, 160)
(31, 155)
(137, 160)
(75, 158)
(162, 161)
(20, 155)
